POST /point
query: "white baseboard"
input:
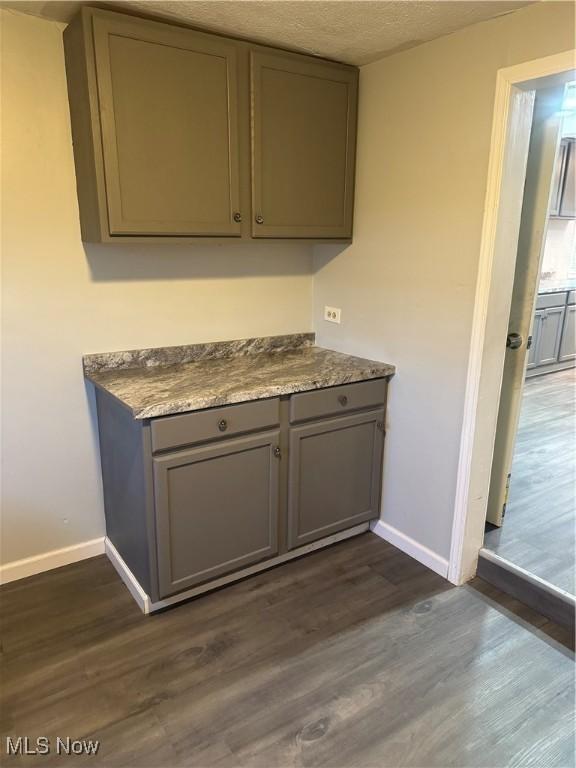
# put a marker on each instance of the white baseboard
(147, 605)
(127, 577)
(411, 547)
(30, 566)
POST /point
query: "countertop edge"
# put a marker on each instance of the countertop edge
(191, 405)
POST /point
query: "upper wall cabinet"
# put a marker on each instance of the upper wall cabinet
(303, 116)
(563, 199)
(184, 135)
(160, 104)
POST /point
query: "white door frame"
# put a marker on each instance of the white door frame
(513, 104)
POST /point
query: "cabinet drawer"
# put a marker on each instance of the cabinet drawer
(572, 297)
(547, 300)
(342, 399)
(190, 428)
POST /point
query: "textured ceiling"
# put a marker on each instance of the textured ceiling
(354, 31)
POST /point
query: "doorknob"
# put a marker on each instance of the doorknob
(514, 341)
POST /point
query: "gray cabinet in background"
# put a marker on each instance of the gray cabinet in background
(568, 343)
(568, 201)
(535, 338)
(553, 343)
(549, 333)
(546, 335)
(562, 201)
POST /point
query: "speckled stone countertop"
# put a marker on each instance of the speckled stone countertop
(166, 380)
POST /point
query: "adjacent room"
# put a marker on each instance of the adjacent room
(532, 528)
(288, 362)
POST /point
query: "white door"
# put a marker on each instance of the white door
(544, 144)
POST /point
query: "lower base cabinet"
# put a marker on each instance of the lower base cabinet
(334, 475)
(546, 335)
(553, 334)
(568, 343)
(193, 498)
(216, 509)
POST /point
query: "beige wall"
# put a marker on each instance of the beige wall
(406, 285)
(61, 299)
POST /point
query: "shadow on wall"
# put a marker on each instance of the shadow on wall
(108, 263)
(326, 252)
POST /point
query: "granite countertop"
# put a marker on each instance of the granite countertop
(167, 380)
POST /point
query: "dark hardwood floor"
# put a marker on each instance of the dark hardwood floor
(538, 533)
(353, 656)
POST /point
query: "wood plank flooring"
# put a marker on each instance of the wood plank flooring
(540, 523)
(356, 655)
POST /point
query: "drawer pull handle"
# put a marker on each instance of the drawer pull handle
(223, 425)
(343, 400)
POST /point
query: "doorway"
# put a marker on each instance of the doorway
(512, 130)
(531, 512)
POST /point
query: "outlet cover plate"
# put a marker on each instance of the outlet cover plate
(333, 314)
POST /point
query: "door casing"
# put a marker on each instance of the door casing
(512, 117)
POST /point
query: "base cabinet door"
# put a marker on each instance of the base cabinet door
(533, 354)
(549, 343)
(334, 475)
(568, 343)
(216, 509)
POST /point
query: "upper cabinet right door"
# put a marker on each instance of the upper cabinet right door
(303, 146)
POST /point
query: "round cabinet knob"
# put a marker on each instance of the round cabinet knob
(277, 452)
(223, 425)
(343, 400)
(237, 217)
(259, 219)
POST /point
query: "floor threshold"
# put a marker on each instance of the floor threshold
(544, 597)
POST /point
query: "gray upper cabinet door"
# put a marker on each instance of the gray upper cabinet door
(568, 343)
(334, 475)
(168, 105)
(216, 509)
(303, 144)
(568, 201)
(558, 179)
(550, 334)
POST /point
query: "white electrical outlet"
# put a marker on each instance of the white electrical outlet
(332, 314)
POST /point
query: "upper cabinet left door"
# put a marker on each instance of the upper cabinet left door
(163, 102)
